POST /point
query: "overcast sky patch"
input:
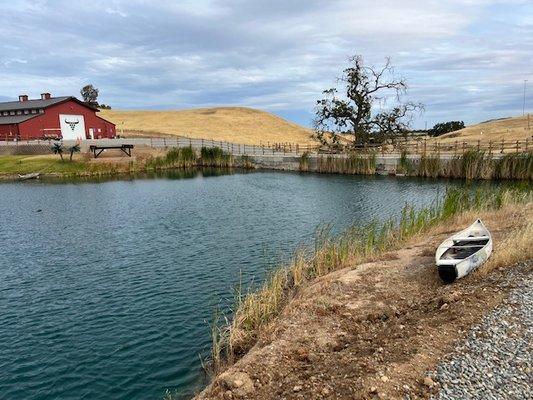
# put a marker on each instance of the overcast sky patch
(465, 60)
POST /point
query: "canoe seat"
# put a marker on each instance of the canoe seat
(467, 246)
(471, 239)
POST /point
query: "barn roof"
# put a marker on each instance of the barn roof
(39, 103)
(15, 119)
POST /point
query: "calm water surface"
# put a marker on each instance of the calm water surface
(107, 292)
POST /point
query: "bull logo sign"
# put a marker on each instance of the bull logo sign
(72, 124)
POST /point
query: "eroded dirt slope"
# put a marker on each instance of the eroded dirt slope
(371, 331)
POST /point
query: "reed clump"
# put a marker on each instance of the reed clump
(182, 157)
(215, 157)
(515, 166)
(472, 164)
(304, 162)
(176, 157)
(405, 165)
(353, 164)
(429, 167)
(254, 310)
(246, 162)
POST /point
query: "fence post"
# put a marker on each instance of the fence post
(478, 143)
(297, 148)
(455, 149)
(517, 146)
(527, 139)
(425, 144)
(464, 147)
(490, 147)
(502, 146)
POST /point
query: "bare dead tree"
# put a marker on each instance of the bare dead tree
(350, 113)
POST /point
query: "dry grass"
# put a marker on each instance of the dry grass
(509, 129)
(231, 124)
(516, 247)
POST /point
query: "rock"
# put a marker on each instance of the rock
(452, 297)
(373, 389)
(325, 391)
(384, 379)
(239, 383)
(297, 388)
(302, 354)
(444, 307)
(428, 381)
(228, 395)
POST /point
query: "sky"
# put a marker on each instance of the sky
(464, 60)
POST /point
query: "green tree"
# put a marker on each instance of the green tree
(90, 95)
(348, 110)
(446, 127)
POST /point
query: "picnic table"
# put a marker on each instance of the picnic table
(99, 149)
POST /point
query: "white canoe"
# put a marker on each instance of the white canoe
(463, 252)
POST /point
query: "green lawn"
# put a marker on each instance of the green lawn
(43, 164)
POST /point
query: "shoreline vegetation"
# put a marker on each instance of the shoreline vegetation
(257, 312)
(175, 158)
(473, 164)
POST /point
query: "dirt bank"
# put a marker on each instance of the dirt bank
(373, 330)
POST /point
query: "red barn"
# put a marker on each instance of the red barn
(52, 117)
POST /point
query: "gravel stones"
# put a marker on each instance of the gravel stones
(495, 361)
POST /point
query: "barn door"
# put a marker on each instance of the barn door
(72, 126)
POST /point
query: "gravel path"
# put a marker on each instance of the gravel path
(495, 361)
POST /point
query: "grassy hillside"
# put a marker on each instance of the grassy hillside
(514, 128)
(232, 124)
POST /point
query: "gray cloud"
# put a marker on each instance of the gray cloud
(463, 59)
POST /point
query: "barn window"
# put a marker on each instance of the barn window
(19, 112)
(26, 111)
(6, 113)
(34, 111)
(41, 111)
(12, 113)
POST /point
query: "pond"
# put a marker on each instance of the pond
(107, 289)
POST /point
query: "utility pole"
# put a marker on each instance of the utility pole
(524, 104)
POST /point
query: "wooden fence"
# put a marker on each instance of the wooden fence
(459, 147)
(399, 146)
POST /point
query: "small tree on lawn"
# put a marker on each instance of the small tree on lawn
(348, 110)
(74, 149)
(57, 148)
